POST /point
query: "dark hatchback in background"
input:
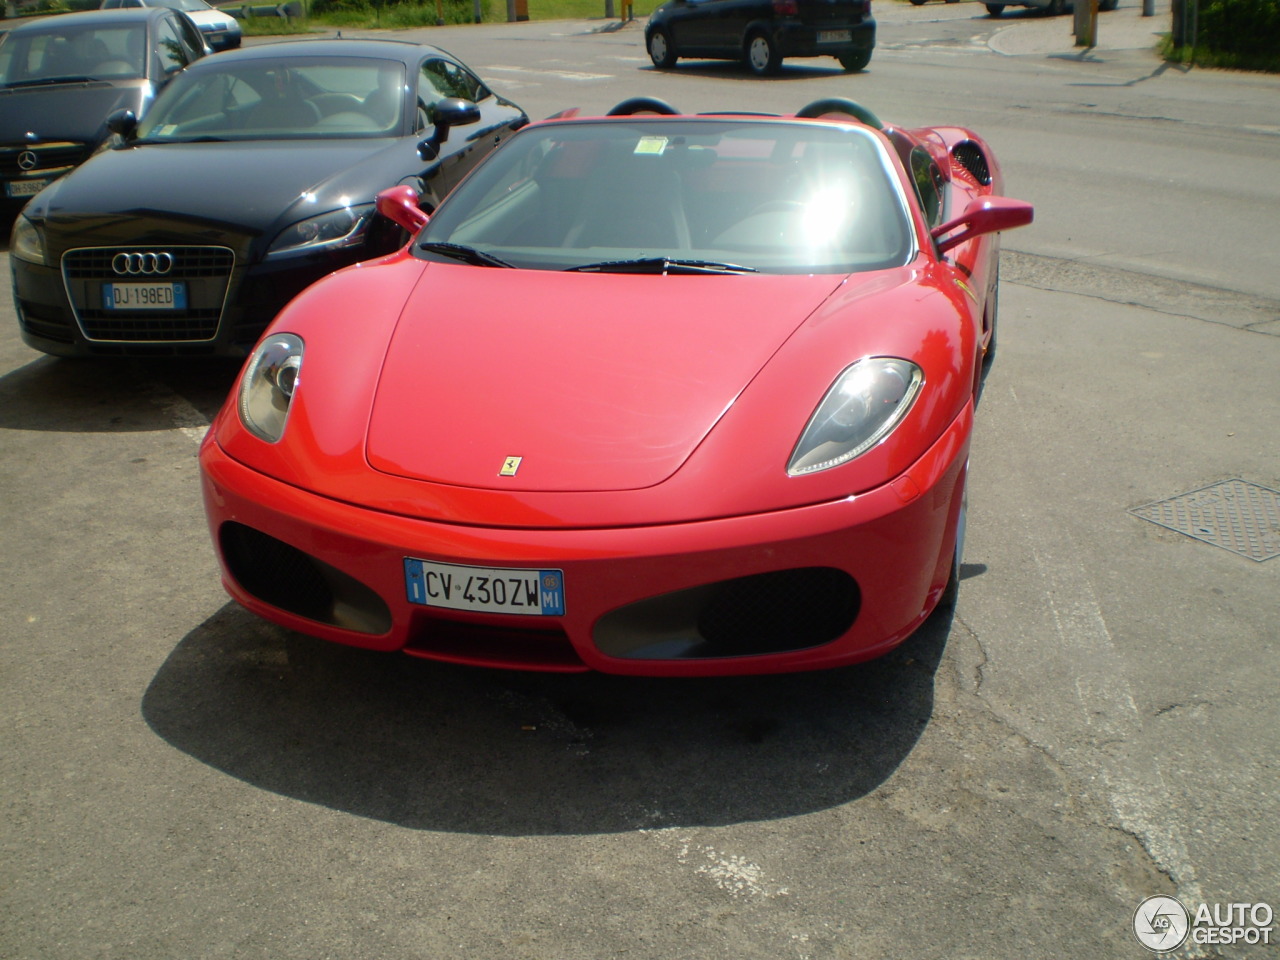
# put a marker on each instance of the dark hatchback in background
(61, 76)
(254, 175)
(761, 33)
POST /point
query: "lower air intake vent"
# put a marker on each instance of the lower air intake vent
(748, 616)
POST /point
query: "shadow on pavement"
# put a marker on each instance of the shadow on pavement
(110, 395)
(437, 747)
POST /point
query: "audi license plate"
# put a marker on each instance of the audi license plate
(531, 593)
(834, 36)
(144, 296)
(25, 188)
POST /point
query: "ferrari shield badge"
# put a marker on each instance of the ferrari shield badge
(510, 466)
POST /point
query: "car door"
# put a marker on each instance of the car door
(439, 78)
(704, 26)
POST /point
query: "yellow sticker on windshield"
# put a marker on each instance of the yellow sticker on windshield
(653, 146)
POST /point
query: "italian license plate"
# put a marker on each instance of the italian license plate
(25, 188)
(144, 296)
(834, 36)
(524, 592)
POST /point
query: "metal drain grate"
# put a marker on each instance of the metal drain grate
(1236, 515)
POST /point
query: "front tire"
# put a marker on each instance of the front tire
(993, 316)
(995, 9)
(855, 61)
(661, 50)
(762, 55)
(951, 593)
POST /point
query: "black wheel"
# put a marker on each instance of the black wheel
(951, 593)
(995, 9)
(761, 55)
(921, 3)
(1056, 8)
(1105, 5)
(661, 50)
(855, 61)
(993, 313)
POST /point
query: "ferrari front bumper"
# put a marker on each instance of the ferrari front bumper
(796, 589)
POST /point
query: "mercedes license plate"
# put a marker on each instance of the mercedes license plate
(834, 36)
(513, 590)
(25, 188)
(144, 296)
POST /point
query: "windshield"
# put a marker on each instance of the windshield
(312, 97)
(65, 52)
(682, 195)
(186, 6)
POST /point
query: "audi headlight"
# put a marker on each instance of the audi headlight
(27, 242)
(345, 227)
(271, 378)
(865, 403)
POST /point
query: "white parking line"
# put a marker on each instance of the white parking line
(187, 420)
(1134, 782)
(558, 74)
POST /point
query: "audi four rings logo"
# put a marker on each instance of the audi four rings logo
(27, 160)
(142, 264)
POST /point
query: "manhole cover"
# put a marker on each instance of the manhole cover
(1236, 515)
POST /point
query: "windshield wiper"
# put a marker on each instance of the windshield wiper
(46, 81)
(459, 251)
(203, 138)
(662, 265)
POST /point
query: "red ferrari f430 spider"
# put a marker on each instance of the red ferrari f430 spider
(648, 393)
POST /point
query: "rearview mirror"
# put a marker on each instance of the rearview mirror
(985, 215)
(400, 206)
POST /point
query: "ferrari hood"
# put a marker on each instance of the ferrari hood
(545, 381)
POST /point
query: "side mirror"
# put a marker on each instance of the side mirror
(122, 123)
(449, 112)
(987, 215)
(400, 206)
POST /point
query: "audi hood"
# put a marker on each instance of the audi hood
(129, 194)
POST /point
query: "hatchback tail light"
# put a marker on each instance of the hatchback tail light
(786, 8)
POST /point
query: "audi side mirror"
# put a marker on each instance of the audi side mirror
(449, 112)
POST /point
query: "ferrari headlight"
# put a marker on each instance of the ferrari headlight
(270, 380)
(344, 227)
(27, 242)
(865, 403)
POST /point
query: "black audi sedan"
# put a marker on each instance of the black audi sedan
(61, 76)
(761, 33)
(253, 175)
